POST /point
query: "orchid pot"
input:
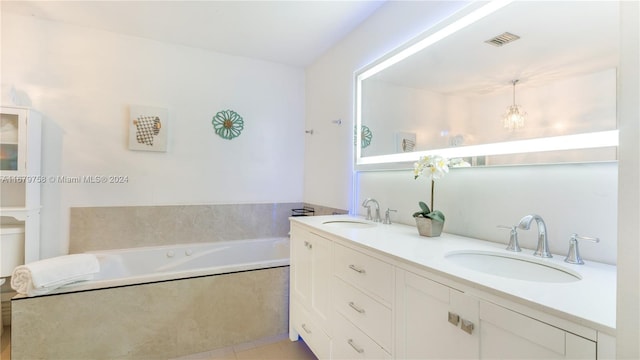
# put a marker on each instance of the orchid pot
(429, 227)
(429, 223)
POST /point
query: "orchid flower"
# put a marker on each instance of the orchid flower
(434, 167)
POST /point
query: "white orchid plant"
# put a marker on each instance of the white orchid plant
(433, 167)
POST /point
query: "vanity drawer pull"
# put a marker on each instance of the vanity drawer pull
(454, 318)
(357, 269)
(467, 326)
(356, 307)
(304, 327)
(355, 347)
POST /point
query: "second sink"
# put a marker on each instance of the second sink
(511, 266)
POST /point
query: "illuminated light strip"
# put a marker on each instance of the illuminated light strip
(435, 37)
(554, 143)
(420, 45)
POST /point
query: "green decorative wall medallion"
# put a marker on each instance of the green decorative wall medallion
(366, 136)
(228, 124)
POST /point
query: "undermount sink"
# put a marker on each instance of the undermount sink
(512, 266)
(349, 223)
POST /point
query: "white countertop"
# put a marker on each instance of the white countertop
(590, 301)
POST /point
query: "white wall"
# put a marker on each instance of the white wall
(628, 314)
(84, 80)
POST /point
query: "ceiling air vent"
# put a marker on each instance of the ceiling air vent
(503, 39)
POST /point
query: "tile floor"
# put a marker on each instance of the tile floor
(278, 347)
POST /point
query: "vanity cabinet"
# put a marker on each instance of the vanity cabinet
(310, 296)
(350, 301)
(20, 144)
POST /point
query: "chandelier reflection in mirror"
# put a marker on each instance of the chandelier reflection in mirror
(514, 116)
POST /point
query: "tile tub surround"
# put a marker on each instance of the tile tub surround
(324, 210)
(158, 320)
(120, 227)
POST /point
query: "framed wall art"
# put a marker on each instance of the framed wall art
(148, 130)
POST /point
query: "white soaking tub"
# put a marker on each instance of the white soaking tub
(159, 263)
(160, 302)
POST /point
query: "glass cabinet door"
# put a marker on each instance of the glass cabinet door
(11, 141)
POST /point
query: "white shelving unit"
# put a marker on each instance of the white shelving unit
(20, 181)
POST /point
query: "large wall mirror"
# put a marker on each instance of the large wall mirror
(454, 91)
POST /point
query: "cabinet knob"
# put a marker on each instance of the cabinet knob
(304, 327)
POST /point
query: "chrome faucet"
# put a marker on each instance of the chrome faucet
(543, 245)
(365, 204)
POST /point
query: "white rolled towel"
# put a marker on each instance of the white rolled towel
(43, 276)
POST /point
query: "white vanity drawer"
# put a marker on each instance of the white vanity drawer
(364, 272)
(351, 343)
(311, 332)
(370, 316)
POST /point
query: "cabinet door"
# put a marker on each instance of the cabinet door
(320, 278)
(311, 273)
(13, 141)
(300, 266)
(506, 334)
(424, 328)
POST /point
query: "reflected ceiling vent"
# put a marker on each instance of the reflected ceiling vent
(503, 39)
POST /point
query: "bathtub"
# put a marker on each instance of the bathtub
(161, 302)
(141, 265)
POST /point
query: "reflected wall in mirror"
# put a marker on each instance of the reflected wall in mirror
(450, 97)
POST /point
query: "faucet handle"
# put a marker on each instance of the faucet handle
(573, 257)
(387, 218)
(513, 238)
